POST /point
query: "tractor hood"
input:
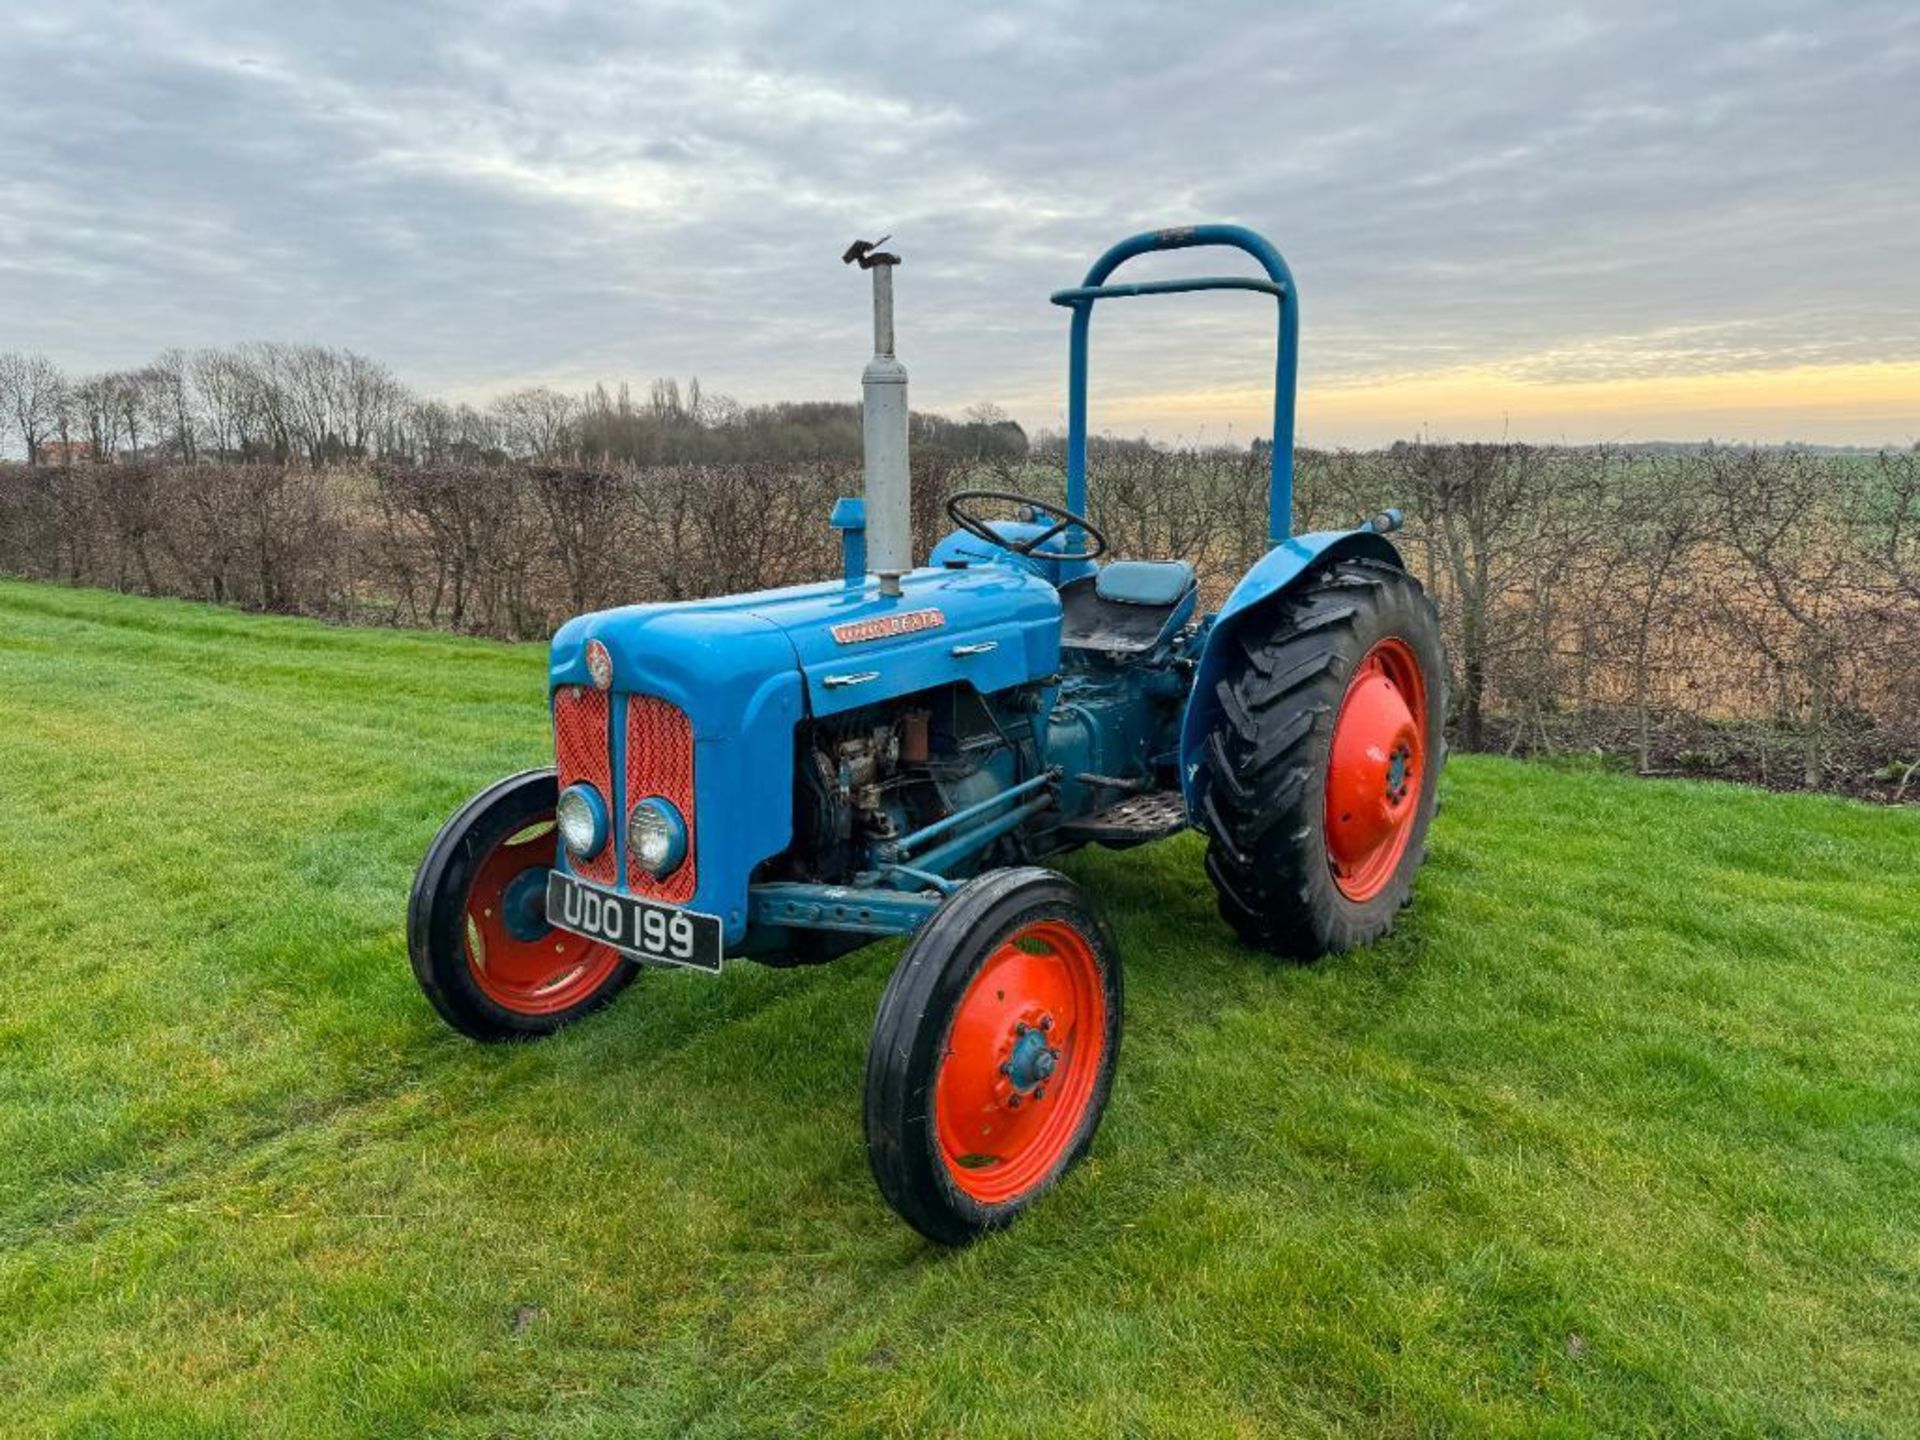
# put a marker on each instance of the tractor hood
(745, 669)
(993, 625)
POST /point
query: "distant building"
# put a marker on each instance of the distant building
(66, 452)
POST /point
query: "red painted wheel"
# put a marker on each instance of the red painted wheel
(520, 962)
(477, 932)
(993, 1053)
(1375, 769)
(1323, 759)
(1022, 1057)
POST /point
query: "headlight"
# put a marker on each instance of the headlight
(656, 837)
(581, 817)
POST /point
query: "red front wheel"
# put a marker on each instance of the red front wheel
(992, 1054)
(477, 930)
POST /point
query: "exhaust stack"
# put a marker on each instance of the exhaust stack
(883, 420)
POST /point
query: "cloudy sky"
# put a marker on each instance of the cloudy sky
(1622, 220)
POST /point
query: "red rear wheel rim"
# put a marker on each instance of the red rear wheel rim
(1376, 769)
(1022, 1061)
(519, 962)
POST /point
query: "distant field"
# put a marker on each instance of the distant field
(1619, 1134)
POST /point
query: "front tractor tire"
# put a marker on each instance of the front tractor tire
(477, 930)
(993, 1052)
(1321, 771)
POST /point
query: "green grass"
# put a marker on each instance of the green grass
(1620, 1133)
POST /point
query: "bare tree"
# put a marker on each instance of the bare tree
(1483, 503)
(222, 398)
(1797, 534)
(1899, 549)
(537, 423)
(31, 391)
(590, 517)
(169, 402)
(372, 403)
(1661, 520)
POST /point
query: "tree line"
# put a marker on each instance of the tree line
(316, 405)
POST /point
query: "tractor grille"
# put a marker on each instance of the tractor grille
(581, 750)
(660, 762)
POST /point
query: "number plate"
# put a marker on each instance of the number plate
(640, 928)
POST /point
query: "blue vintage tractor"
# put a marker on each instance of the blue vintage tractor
(792, 774)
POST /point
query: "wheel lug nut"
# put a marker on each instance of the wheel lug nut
(1039, 1092)
(1013, 1102)
(1046, 1022)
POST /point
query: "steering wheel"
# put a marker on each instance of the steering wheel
(983, 530)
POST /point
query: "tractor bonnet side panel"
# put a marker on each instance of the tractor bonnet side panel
(992, 626)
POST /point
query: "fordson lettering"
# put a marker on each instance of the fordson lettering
(855, 631)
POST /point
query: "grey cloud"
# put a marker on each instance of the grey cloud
(485, 196)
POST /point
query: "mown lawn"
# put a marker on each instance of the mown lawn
(1619, 1134)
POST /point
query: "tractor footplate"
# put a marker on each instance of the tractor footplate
(1133, 821)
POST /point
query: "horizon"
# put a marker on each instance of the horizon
(1658, 228)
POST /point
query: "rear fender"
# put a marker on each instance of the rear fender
(1277, 573)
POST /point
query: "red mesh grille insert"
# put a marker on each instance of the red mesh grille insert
(582, 750)
(660, 762)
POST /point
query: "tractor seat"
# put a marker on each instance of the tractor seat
(1127, 607)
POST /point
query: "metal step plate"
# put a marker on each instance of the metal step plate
(1133, 821)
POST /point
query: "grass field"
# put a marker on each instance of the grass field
(1619, 1134)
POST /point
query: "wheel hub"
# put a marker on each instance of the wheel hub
(523, 905)
(1397, 773)
(1033, 1060)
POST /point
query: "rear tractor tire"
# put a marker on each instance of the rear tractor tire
(1321, 772)
(993, 1053)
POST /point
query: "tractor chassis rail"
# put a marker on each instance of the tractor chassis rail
(839, 907)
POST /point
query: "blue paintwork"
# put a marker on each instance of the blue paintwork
(850, 519)
(964, 847)
(1089, 293)
(735, 676)
(1006, 606)
(523, 906)
(1144, 582)
(907, 844)
(960, 546)
(1033, 1060)
(840, 907)
(1276, 571)
(1280, 284)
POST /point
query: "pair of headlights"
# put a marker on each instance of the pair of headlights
(656, 835)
